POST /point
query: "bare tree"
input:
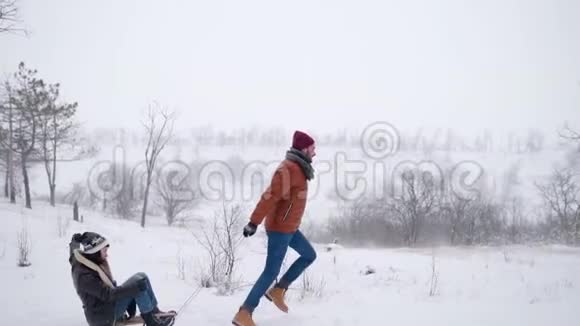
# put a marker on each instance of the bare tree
(174, 194)
(457, 211)
(562, 196)
(9, 17)
(29, 99)
(513, 211)
(125, 204)
(24, 247)
(570, 134)
(484, 223)
(7, 140)
(214, 255)
(56, 129)
(159, 130)
(221, 243)
(362, 222)
(416, 203)
(434, 280)
(229, 237)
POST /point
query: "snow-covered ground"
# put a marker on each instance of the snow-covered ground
(476, 286)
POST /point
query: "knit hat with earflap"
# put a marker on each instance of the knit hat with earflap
(92, 243)
(86, 249)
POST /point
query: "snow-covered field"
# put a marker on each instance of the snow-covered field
(476, 286)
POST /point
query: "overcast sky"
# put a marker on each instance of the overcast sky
(310, 64)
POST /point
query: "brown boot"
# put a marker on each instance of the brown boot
(276, 295)
(243, 318)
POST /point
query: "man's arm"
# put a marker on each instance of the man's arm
(278, 189)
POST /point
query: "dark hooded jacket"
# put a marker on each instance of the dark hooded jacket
(95, 286)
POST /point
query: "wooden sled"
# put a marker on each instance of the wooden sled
(138, 320)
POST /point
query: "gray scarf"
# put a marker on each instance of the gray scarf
(304, 161)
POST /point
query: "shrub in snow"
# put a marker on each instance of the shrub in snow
(23, 248)
(333, 246)
(203, 275)
(62, 225)
(567, 284)
(3, 251)
(434, 281)
(181, 266)
(221, 242)
(229, 286)
(174, 195)
(205, 281)
(310, 287)
(369, 270)
(506, 257)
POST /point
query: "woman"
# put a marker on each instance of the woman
(104, 302)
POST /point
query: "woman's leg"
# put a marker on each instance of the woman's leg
(121, 307)
(145, 299)
(149, 288)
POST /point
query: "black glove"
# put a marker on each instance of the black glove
(77, 237)
(250, 229)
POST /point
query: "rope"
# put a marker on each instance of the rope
(188, 301)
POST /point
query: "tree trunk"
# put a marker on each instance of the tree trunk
(145, 199)
(577, 225)
(52, 199)
(10, 163)
(49, 164)
(54, 148)
(26, 183)
(6, 184)
(12, 190)
(170, 212)
(453, 235)
(47, 168)
(76, 211)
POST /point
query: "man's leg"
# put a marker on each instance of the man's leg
(277, 248)
(307, 257)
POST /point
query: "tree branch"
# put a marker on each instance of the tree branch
(9, 17)
(570, 134)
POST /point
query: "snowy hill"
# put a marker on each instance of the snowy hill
(467, 286)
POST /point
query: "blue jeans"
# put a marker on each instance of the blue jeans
(278, 244)
(145, 300)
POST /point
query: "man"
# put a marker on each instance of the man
(105, 303)
(282, 205)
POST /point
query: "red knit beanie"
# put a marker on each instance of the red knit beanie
(301, 140)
